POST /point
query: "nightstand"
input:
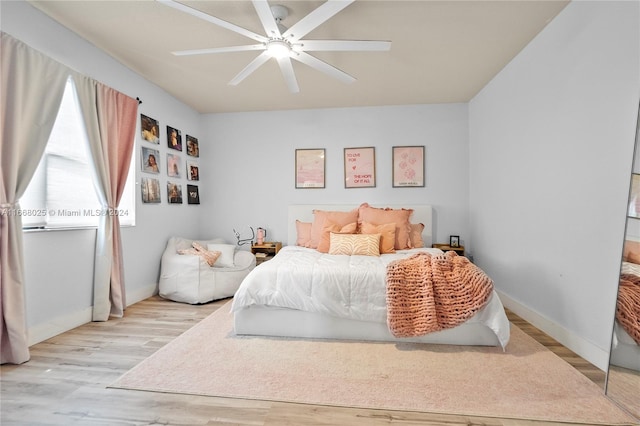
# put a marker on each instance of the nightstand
(446, 247)
(265, 251)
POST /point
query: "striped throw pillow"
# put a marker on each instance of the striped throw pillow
(355, 244)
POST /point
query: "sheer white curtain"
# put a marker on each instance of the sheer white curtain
(110, 119)
(31, 91)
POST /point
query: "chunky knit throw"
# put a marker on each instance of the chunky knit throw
(427, 293)
(628, 307)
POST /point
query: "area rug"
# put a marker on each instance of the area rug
(527, 381)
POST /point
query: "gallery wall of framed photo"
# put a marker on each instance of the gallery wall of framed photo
(175, 162)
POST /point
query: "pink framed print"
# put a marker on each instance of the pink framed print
(360, 167)
(408, 166)
(310, 168)
(174, 165)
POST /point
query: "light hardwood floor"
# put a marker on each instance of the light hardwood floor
(65, 382)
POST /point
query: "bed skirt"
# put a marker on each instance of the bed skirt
(284, 322)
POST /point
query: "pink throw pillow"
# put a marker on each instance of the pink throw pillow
(387, 233)
(325, 239)
(303, 231)
(416, 235)
(379, 216)
(337, 217)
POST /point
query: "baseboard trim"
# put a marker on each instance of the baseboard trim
(142, 294)
(41, 332)
(587, 350)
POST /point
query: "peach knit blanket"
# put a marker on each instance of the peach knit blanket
(427, 293)
(628, 307)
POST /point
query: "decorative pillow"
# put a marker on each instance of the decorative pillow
(631, 251)
(387, 233)
(379, 216)
(355, 244)
(630, 268)
(209, 256)
(323, 245)
(182, 243)
(303, 230)
(416, 235)
(322, 216)
(226, 257)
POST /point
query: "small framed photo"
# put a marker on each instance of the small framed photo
(150, 158)
(150, 129)
(360, 167)
(173, 165)
(193, 172)
(193, 149)
(174, 193)
(310, 168)
(150, 189)
(193, 195)
(408, 166)
(174, 138)
(454, 241)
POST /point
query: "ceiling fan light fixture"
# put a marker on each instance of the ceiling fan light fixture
(284, 44)
(278, 48)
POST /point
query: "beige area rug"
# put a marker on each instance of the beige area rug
(525, 382)
(624, 387)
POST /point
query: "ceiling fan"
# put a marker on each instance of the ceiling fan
(285, 44)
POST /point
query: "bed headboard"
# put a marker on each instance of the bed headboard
(304, 212)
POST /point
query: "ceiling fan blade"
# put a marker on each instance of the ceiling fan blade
(316, 63)
(289, 76)
(219, 50)
(316, 18)
(345, 45)
(266, 17)
(217, 21)
(253, 65)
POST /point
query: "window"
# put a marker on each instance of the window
(61, 193)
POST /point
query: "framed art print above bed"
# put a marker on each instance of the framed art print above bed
(408, 166)
(360, 167)
(310, 168)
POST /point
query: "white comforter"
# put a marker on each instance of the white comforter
(352, 287)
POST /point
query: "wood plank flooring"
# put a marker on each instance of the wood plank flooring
(65, 382)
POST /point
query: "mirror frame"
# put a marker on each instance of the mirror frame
(619, 395)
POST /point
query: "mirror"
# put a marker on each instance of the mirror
(623, 375)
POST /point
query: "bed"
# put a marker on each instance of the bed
(301, 293)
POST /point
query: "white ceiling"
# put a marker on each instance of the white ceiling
(441, 52)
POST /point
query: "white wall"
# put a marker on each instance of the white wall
(551, 146)
(59, 264)
(250, 164)
(531, 174)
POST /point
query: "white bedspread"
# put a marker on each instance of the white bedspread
(352, 287)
